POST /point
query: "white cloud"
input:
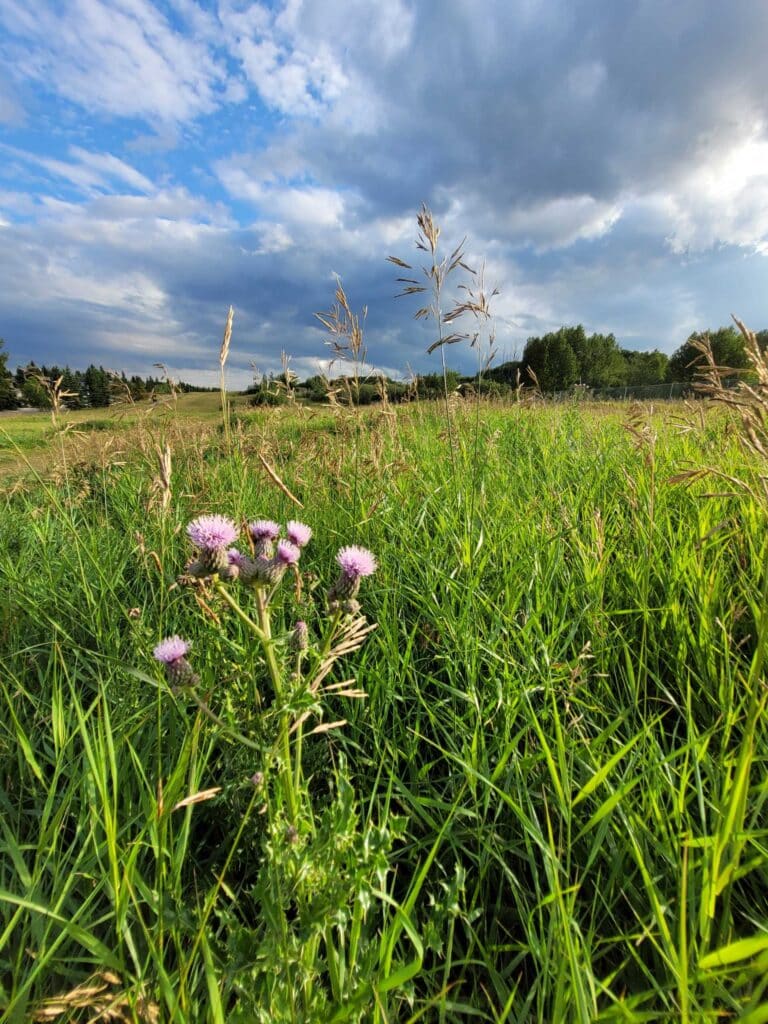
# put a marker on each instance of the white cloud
(723, 200)
(291, 80)
(87, 170)
(120, 58)
(310, 58)
(569, 140)
(309, 207)
(558, 223)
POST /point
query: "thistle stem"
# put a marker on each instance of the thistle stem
(275, 675)
(263, 632)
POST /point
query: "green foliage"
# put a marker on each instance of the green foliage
(553, 360)
(601, 363)
(645, 367)
(434, 385)
(727, 349)
(315, 388)
(97, 387)
(267, 394)
(549, 807)
(8, 394)
(34, 394)
(566, 357)
(506, 373)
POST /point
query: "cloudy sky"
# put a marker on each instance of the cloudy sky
(607, 159)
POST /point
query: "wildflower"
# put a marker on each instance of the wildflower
(298, 533)
(212, 535)
(235, 562)
(209, 533)
(172, 653)
(355, 563)
(264, 533)
(287, 553)
(271, 571)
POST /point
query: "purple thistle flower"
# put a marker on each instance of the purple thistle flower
(235, 557)
(211, 533)
(171, 649)
(298, 533)
(287, 553)
(264, 533)
(172, 653)
(356, 562)
(264, 529)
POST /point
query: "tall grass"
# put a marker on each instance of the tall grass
(564, 732)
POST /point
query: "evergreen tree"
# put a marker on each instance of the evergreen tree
(9, 398)
(97, 389)
(71, 384)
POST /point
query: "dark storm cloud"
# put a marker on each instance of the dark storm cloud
(607, 159)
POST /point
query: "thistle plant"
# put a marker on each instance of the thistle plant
(318, 870)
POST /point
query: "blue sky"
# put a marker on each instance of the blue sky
(161, 160)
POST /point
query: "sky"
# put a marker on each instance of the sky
(607, 163)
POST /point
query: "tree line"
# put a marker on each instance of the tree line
(557, 361)
(91, 388)
(567, 357)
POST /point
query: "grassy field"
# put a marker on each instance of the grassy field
(551, 803)
(33, 437)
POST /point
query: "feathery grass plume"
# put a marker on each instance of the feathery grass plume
(223, 354)
(346, 338)
(120, 389)
(161, 484)
(748, 397)
(286, 385)
(436, 275)
(173, 387)
(346, 343)
(103, 998)
(227, 338)
(55, 393)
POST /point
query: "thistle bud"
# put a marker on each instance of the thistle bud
(299, 641)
